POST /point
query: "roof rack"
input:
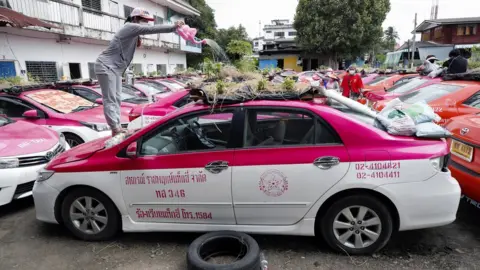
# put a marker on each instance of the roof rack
(77, 81)
(246, 93)
(468, 76)
(18, 89)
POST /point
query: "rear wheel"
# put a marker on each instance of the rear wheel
(358, 224)
(73, 140)
(90, 215)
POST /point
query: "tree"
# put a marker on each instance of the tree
(224, 36)
(340, 28)
(237, 49)
(206, 26)
(390, 36)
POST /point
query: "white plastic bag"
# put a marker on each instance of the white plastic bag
(420, 112)
(396, 122)
(431, 130)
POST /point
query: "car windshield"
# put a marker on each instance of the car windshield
(430, 93)
(149, 87)
(126, 93)
(4, 121)
(378, 80)
(61, 101)
(172, 85)
(407, 86)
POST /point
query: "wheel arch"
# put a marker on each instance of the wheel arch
(61, 197)
(66, 133)
(358, 191)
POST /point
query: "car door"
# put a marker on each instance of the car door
(15, 108)
(288, 160)
(182, 173)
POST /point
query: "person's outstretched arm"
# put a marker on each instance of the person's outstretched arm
(135, 30)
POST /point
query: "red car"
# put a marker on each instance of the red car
(465, 153)
(162, 106)
(401, 88)
(93, 93)
(159, 89)
(75, 117)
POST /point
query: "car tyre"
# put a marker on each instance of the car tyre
(224, 243)
(355, 239)
(98, 220)
(73, 140)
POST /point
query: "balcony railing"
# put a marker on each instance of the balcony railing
(69, 14)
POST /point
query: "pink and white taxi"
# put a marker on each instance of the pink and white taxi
(268, 167)
(77, 118)
(24, 149)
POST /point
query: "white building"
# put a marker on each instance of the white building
(85, 28)
(258, 44)
(279, 29)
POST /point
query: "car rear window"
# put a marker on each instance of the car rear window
(407, 86)
(430, 93)
(377, 80)
(148, 87)
(172, 85)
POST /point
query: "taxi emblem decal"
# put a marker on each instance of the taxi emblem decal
(273, 183)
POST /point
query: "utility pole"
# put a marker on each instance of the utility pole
(259, 28)
(413, 42)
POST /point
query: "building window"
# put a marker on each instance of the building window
(255, 44)
(180, 67)
(158, 20)
(426, 36)
(292, 34)
(4, 3)
(137, 69)
(42, 71)
(279, 34)
(127, 10)
(466, 30)
(162, 69)
(91, 71)
(92, 4)
(438, 32)
(268, 32)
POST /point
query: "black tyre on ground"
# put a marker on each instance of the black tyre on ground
(357, 224)
(90, 215)
(72, 139)
(237, 244)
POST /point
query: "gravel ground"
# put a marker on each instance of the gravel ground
(28, 244)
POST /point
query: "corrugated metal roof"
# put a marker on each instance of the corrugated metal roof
(18, 20)
(428, 24)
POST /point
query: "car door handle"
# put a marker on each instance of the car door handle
(326, 163)
(216, 167)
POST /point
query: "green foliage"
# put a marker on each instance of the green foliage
(225, 36)
(390, 36)
(221, 86)
(246, 64)
(262, 85)
(340, 28)
(211, 69)
(237, 49)
(473, 64)
(153, 73)
(12, 81)
(381, 58)
(288, 84)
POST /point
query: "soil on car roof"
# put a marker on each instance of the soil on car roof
(28, 244)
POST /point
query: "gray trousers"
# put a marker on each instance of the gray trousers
(111, 85)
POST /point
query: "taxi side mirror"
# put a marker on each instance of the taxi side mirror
(32, 114)
(132, 150)
(99, 101)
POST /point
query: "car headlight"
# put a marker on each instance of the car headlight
(44, 175)
(8, 163)
(96, 126)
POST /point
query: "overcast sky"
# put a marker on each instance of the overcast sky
(250, 12)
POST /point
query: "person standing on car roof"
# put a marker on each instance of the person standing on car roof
(456, 62)
(114, 60)
(352, 84)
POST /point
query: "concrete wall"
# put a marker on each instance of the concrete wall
(21, 48)
(271, 35)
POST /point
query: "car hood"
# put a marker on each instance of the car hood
(80, 152)
(23, 138)
(96, 115)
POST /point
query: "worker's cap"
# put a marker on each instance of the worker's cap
(352, 67)
(141, 12)
(431, 57)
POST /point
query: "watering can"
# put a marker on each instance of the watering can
(188, 34)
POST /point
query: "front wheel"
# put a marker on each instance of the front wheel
(358, 224)
(90, 215)
(73, 140)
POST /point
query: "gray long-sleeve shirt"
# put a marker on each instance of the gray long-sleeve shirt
(119, 53)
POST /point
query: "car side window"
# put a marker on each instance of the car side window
(182, 102)
(12, 109)
(473, 101)
(87, 94)
(202, 132)
(265, 128)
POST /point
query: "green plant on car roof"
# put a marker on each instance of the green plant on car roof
(288, 84)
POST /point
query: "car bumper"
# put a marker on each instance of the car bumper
(17, 183)
(468, 179)
(44, 197)
(425, 204)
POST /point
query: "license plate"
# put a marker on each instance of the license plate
(462, 150)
